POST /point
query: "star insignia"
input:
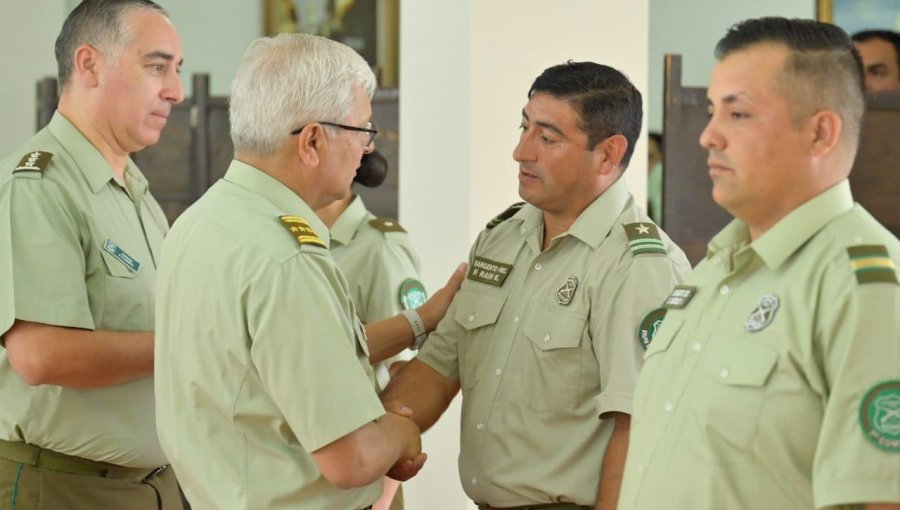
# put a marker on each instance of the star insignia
(643, 229)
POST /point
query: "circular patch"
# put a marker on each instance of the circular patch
(879, 415)
(650, 325)
(412, 294)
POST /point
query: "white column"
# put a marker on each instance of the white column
(465, 69)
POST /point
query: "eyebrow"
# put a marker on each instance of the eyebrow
(153, 55)
(730, 98)
(546, 125)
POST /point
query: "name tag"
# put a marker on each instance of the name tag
(120, 255)
(489, 271)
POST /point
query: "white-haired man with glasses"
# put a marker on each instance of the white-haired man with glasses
(266, 397)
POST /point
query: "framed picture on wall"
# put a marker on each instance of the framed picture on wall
(856, 15)
(368, 26)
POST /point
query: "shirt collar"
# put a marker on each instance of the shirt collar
(348, 222)
(90, 162)
(791, 232)
(289, 203)
(593, 224)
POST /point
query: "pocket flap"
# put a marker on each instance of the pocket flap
(553, 329)
(477, 309)
(742, 363)
(118, 266)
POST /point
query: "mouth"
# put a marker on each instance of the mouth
(523, 175)
(716, 168)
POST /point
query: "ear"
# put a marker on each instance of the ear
(826, 129)
(86, 65)
(609, 153)
(310, 143)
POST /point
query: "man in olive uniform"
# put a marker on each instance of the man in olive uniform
(774, 381)
(547, 333)
(265, 393)
(80, 237)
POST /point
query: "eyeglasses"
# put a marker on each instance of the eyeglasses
(372, 130)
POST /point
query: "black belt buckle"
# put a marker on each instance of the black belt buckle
(155, 472)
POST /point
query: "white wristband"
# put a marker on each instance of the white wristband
(418, 327)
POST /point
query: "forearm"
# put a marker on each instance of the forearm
(614, 464)
(423, 390)
(43, 354)
(388, 337)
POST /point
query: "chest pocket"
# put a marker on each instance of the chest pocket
(734, 378)
(476, 313)
(552, 358)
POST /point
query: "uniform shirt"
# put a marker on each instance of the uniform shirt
(547, 347)
(78, 248)
(752, 393)
(260, 359)
(376, 264)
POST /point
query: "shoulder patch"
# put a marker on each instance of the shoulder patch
(386, 225)
(34, 162)
(879, 415)
(649, 325)
(871, 264)
(643, 238)
(302, 232)
(412, 294)
(505, 215)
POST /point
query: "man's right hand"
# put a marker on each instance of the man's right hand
(434, 309)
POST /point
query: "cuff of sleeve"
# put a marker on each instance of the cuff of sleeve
(55, 316)
(613, 403)
(339, 424)
(450, 372)
(835, 494)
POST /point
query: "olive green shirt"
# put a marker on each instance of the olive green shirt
(376, 263)
(260, 359)
(541, 363)
(78, 248)
(752, 393)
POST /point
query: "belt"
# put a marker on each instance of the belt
(24, 453)
(544, 506)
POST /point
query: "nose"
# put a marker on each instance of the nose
(369, 149)
(524, 149)
(710, 138)
(173, 91)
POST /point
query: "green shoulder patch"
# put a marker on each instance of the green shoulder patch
(879, 415)
(386, 225)
(505, 215)
(650, 325)
(412, 294)
(302, 232)
(871, 264)
(644, 238)
(35, 161)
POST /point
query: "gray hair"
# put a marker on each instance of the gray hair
(288, 81)
(101, 24)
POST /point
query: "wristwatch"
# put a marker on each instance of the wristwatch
(418, 327)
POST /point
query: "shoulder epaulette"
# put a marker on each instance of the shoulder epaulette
(643, 238)
(871, 263)
(386, 225)
(505, 215)
(302, 232)
(36, 161)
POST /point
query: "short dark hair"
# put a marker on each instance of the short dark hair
(98, 23)
(885, 35)
(607, 102)
(824, 69)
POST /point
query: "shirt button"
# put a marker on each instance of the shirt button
(480, 426)
(474, 481)
(668, 407)
(724, 373)
(472, 318)
(696, 346)
(640, 467)
(498, 372)
(538, 266)
(724, 290)
(547, 338)
(516, 318)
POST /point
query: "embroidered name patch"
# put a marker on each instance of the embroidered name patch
(489, 271)
(120, 255)
(680, 296)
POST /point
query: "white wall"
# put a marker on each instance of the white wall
(693, 27)
(465, 69)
